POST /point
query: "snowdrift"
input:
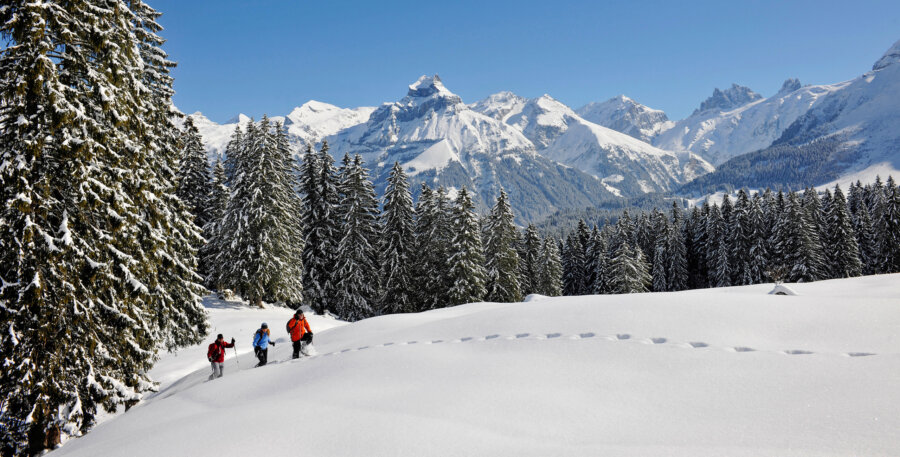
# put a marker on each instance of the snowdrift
(721, 372)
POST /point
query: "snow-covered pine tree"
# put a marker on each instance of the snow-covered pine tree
(891, 227)
(841, 247)
(321, 224)
(87, 158)
(740, 233)
(550, 269)
(676, 261)
(357, 267)
(758, 237)
(591, 258)
(397, 243)
(432, 240)
(529, 261)
(217, 204)
(467, 273)
(717, 255)
(502, 261)
(865, 238)
(629, 271)
(601, 263)
(194, 183)
(261, 226)
(573, 266)
(218, 242)
(697, 253)
(660, 229)
(802, 259)
(814, 218)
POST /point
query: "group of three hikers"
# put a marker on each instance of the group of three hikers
(298, 327)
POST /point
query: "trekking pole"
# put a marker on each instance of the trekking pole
(236, 358)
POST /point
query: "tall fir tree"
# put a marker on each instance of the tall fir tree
(502, 261)
(550, 269)
(356, 263)
(529, 260)
(841, 247)
(677, 262)
(629, 271)
(397, 244)
(195, 185)
(573, 266)
(261, 227)
(321, 225)
(93, 241)
(865, 239)
(467, 273)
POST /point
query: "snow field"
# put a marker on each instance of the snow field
(713, 372)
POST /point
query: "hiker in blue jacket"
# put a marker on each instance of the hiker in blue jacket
(261, 343)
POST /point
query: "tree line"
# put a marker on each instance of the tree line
(315, 233)
(783, 236)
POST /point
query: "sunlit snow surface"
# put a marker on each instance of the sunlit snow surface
(721, 372)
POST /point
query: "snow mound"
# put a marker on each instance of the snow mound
(781, 289)
(712, 372)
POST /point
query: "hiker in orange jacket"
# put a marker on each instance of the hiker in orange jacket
(300, 332)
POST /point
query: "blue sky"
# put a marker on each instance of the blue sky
(268, 56)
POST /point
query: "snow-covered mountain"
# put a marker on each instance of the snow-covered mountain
(864, 113)
(626, 165)
(306, 124)
(625, 115)
(737, 120)
(442, 141)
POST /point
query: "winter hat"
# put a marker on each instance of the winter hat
(265, 325)
(221, 336)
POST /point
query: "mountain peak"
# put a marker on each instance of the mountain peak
(890, 57)
(790, 85)
(426, 86)
(733, 97)
(239, 119)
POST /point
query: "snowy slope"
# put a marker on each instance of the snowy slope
(560, 134)
(625, 115)
(735, 124)
(865, 113)
(721, 372)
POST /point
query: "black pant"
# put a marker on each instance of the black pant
(297, 345)
(262, 355)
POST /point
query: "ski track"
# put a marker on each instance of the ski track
(618, 337)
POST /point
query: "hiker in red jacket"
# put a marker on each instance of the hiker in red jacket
(216, 356)
(300, 332)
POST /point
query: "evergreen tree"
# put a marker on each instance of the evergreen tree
(890, 227)
(321, 224)
(865, 238)
(629, 271)
(467, 273)
(217, 204)
(550, 269)
(93, 241)
(601, 263)
(194, 183)
(842, 249)
(660, 229)
(676, 262)
(262, 240)
(501, 258)
(530, 257)
(573, 266)
(759, 242)
(398, 240)
(432, 240)
(795, 241)
(356, 262)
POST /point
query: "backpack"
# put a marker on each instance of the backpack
(215, 355)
